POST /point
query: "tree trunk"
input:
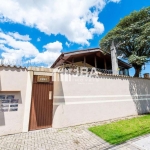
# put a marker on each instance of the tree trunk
(138, 69)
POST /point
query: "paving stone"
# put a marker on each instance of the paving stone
(71, 138)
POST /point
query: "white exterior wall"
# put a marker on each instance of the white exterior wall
(80, 100)
(77, 101)
(13, 81)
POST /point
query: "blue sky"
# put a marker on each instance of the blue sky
(40, 30)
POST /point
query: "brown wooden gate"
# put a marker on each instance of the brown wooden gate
(41, 105)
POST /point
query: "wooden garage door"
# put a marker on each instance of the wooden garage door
(41, 105)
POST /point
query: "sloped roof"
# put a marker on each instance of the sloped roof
(64, 56)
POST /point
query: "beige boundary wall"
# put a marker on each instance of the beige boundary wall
(84, 99)
(17, 81)
(13, 81)
(77, 101)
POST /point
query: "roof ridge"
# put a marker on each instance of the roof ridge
(81, 50)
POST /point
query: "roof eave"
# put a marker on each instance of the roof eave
(61, 55)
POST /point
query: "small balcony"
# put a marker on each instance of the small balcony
(71, 68)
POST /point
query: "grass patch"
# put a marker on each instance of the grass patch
(121, 131)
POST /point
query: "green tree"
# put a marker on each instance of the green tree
(134, 32)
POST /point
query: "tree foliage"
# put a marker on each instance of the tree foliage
(134, 32)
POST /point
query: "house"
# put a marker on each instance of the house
(31, 98)
(91, 58)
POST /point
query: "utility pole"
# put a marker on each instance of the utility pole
(114, 60)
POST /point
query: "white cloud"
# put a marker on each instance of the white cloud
(52, 51)
(115, 1)
(67, 17)
(80, 48)
(54, 47)
(67, 44)
(17, 36)
(38, 39)
(16, 48)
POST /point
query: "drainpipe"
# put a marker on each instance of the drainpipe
(114, 59)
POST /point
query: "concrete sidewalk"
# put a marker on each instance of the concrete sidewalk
(72, 138)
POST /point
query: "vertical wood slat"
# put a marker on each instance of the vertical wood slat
(95, 62)
(41, 106)
(105, 64)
